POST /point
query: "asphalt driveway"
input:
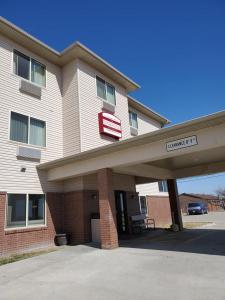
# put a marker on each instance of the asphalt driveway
(160, 265)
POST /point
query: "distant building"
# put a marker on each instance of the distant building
(212, 201)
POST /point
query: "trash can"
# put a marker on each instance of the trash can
(95, 228)
(61, 239)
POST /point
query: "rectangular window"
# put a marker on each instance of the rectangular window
(16, 212)
(163, 186)
(25, 210)
(37, 132)
(133, 119)
(29, 69)
(27, 130)
(19, 128)
(101, 90)
(21, 65)
(106, 91)
(143, 205)
(36, 209)
(110, 95)
(38, 73)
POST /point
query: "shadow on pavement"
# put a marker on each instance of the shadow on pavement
(202, 241)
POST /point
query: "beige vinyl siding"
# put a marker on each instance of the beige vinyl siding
(90, 105)
(145, 123)
(48, 108)
(71, 122)
(149, 189)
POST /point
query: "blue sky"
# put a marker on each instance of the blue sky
(174, 49)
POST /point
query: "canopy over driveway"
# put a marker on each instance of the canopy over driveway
(196, 147)
(147, 156)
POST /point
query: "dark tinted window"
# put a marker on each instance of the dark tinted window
(21, 65)
(16, 211)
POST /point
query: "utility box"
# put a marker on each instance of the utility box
(95, 228)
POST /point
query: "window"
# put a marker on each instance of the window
(19, 128)
(27, 130)
(16, 212)
(143, 205)
(163, 186)
(22, 65)
(36, 209)
(38, 73)
(37, 132)
(25, 210)
(106, 91)
(133, 119)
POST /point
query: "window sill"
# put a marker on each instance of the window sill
(27, 145)
(25, 229)
(21, 78)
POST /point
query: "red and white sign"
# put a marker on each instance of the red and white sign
(109, 125)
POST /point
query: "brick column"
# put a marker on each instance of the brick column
(109, 236)
(174, 203)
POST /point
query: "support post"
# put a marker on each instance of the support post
(174, 203)
(107, 208)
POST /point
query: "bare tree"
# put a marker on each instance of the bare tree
(221, 193)
(221, 196)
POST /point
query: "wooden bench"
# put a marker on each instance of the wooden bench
(141, 222)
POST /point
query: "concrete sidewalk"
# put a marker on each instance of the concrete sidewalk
(217, 218)
(161, 266)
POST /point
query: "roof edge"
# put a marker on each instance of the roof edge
(28, 35)
(148, 111)
(157, 135)
(33, 44)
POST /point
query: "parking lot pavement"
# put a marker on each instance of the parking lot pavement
(216, 218)
(185, 265)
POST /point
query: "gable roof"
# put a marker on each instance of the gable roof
(75, 50)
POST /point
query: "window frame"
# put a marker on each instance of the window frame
(145, 205)
(163, 182)
(27, 226)
(133, 112)
(106, 83)
(30, 69)
(28, 143)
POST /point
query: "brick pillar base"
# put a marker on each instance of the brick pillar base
(174, 203)
(109, 236)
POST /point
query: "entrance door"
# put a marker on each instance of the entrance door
(121, 212)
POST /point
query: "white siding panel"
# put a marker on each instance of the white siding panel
(145, 123)
(90, 105)
(71, 123)
(149, 189)
(48, 108)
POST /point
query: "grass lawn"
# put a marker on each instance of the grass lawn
(17, 257)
